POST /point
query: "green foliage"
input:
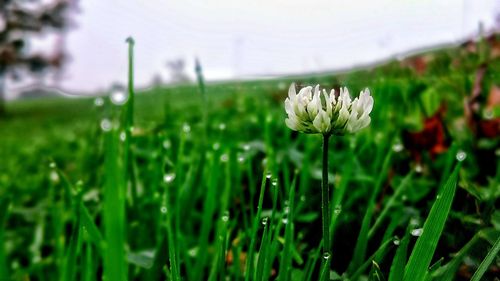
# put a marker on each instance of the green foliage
(209, 184)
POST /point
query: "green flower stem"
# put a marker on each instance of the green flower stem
(325, 207)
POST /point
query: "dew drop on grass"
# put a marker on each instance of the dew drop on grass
(303, 198)
(99, 102)
(54, 177)
(52, 165)
(186, 128)
(274, 182)
(123, 136)
(461, 155)
(419, 168)
(414, 222)
(216, 146)
(337, 210)
(224, 157)
(396, 242)
(193, 252)
(167, 144)
(222, 126)
(163, 209)
(106, 125)
(241, 159)
(397, 147)
(264, 220)
(246, 147)
(286, 210)
(225, 217)
(417, 232)
(326, 255)
(119, 97)
(284, 220)
(168, 178)
(269, 175)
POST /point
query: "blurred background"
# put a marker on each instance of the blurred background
(78, 47)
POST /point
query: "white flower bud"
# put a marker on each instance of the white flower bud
(315, 113)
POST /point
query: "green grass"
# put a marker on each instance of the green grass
(205, 182)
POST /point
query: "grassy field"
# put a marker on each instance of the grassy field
(190, 183)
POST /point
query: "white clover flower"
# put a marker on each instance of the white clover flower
(313, 112)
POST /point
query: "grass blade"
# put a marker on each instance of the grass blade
(362, 243)
(446, 272)
(4, 212)
(114, 211)
(253, 235)
(69, 267)
(397, 271)
(392, 201)
(487, 261)
(286, 256)
(421, 256)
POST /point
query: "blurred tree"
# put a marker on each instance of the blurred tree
(20, 21)
(177, 69)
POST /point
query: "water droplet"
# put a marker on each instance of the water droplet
(118, 96)
(123, 136)
(168, 178)
(419, 168)
(303, 198)
(326, 255)
(167, 144)
(269, 175)
(52, 165)
(225, 218)
(264, 220)
(414, 222)
(337, 210)
(417, 231)
(99, 102)
(241, 159)
(274, 182)
(404, 197)
(246, 147)
(163, 209)
(193, 252)
(461, 155)
(396, 242)
(216, 146)
(438, 196)
(54, 177)
(284, 220)
(286, 210)
(224, 157)
(106, 125)
(186, 128)
(397, 147)
(222, 126)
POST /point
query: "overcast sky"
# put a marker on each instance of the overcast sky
(241, 39)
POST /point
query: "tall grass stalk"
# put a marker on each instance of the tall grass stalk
(325, 209)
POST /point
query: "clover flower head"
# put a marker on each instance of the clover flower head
(316, 112)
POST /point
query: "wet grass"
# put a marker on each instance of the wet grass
(207, 183)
